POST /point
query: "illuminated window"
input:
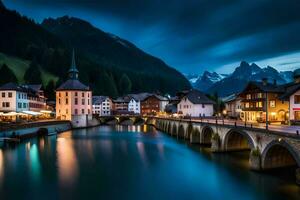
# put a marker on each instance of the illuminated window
(248, 96)
(272, 103)
(247, 105)
(259, 95)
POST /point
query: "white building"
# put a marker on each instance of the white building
(195, 104)
(134, 105)
(102, 105)
(74, 100)
(13, 98)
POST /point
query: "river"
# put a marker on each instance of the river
(135, 162)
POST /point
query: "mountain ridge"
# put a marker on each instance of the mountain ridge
(241, 75)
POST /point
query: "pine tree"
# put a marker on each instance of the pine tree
(124, 84)
(50, 90)
(33, 74)
(7, 76)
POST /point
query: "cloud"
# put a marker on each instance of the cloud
(193, 35)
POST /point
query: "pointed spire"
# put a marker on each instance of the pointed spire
(73, 72)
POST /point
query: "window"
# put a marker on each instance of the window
(67, 101)
(248, 96)
(89, 111)
(297, 115)
(58, 101)
(259, 104)
(66, 94)
(59, 94)
(247, 105)
(259, 95)
(272, 103)
(24, 105)
(82, 111)
(76, 101)
(3, 94)
(67, 111)
(297, 99)
(10, 94)
(76, 94)
(19, 105)
(76, 112)
(203, 106)
(83, 94)
(88, 101)
(83, 101)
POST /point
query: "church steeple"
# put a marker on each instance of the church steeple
(73, 72)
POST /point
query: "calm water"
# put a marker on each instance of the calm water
(131, 163)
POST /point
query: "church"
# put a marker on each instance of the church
(74, 99)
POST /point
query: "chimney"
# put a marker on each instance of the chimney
(265, 81)
(275, 82)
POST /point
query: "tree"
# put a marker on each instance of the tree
(50, 90)
(7, 76)
(33, 73)
(124, 84)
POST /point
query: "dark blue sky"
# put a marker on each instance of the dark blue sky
(191, 35)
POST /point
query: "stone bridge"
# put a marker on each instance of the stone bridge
(122, 120)
(267, 149)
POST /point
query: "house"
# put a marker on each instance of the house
(120, 105)
(195, 104)
(292, 96)
(74, 99)
(232, 106)
(102, 105)
(260, 98)
(36, 97)
(134, 104)
(14, 98)
(153, 104)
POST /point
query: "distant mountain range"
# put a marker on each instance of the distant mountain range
(212, 82)
(109, 64)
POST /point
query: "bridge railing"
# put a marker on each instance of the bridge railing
(283, 130)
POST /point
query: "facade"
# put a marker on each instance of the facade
(233, 106)
(258, 98)
(150, 105)
(36, 97)
(134, 106)
(13, 98)
(120, 105)
(102, 105)
(195, 104)
(74, 100)
(292, 95)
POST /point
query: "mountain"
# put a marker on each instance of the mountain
(114, 52)
(102, 58)
(244, 73)
(207, 79)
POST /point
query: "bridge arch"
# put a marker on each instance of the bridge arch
(169, 128)
(279, 153)
(181, 131)
(189, 131)
(206, 135)
(195, 136)
(174, 129)
(236, 139)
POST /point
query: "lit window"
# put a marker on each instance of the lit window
(272, 103)
(248, 96)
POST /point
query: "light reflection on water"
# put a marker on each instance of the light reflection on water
(134, 162)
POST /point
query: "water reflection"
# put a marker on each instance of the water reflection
(67, 162)
(35, 166)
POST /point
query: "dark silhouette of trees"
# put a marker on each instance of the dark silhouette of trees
(7, 76)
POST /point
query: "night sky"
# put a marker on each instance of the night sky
(191, 35)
